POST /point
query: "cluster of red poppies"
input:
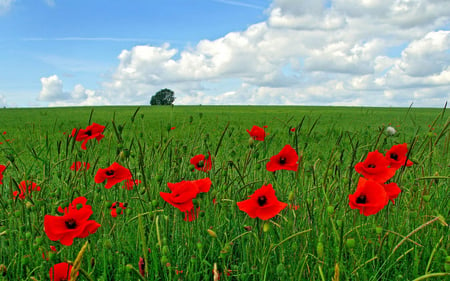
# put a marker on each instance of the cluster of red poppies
(372, 192)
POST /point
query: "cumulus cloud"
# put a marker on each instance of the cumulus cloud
(2, 101)
(338, 52)
(52, 92)
(52, 89)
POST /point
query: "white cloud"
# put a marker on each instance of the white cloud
(339, 52)
(50, 3)
(5, 5)
(52, 92)
(2, 101)
(52, 89)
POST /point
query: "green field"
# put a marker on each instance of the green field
(318, 237)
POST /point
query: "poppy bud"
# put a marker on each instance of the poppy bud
(426, 198)
(164, 260)
(320, 250)
(29, 205)
(128, 267)
(330, 210)
(199, 246)
(3, 269)
(281, 270)
(212, 233)
(351, 243)
(39, 240)
(52, 256)
(107, 243)
(28, 235)
(291, 196)
(165, 250)
(378, 229)
(191, 167)
(251, 142)
(447, 264)
(339, 223)
(154, 203)
(266, 227)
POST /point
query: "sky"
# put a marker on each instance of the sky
(390, 53)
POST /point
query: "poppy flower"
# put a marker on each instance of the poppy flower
(76, 166)
(93, 131)
(257, 133)
(262, 204)
(73, 224)
(293, 129)
(115, 206)
(375, 167)
(60, 272)
(202, 163)
(130, 183)
(25, 189)
(113, 174)
(396, 156)
(183, 192)
(2, 169)
(370, 197)
(287, 159)
(392, 191)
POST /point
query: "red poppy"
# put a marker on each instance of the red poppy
(130, 183)
(262, 204)
(172, 128)
(113, 174)
(287, 159)
(396, 156)
(93, 131)
(375, 167)
(116, 205)
(74, 223)
(369, 197)
(392, 191)
(183, 192)
(293, 129)
(202, 163)
(257, 133)
(77, 166)
(2, 169)
(60, 272)
(25, 189)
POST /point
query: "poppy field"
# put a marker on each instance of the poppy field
(224, 193)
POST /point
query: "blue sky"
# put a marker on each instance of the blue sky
(338, 52)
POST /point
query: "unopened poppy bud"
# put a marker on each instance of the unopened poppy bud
(281, 270)
(378, 229)
(39, 240)
(29, 205)
(351, 243)
(28, 235)
(164, 259)
(266, 227)
(199, 245)
(128, 267)
(320, 250)
(339, 223)
(330, 210)
(212, 233)
(251, 142)
(426, 198)
(291, 196)
(154, 203)
(447, 264)
(107, 243)
(165, 250)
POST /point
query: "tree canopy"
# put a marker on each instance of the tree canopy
(163, 97)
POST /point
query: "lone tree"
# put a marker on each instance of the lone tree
(163, 97)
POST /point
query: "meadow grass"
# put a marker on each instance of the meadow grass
(317, 238)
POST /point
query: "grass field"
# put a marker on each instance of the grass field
(317, 237)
